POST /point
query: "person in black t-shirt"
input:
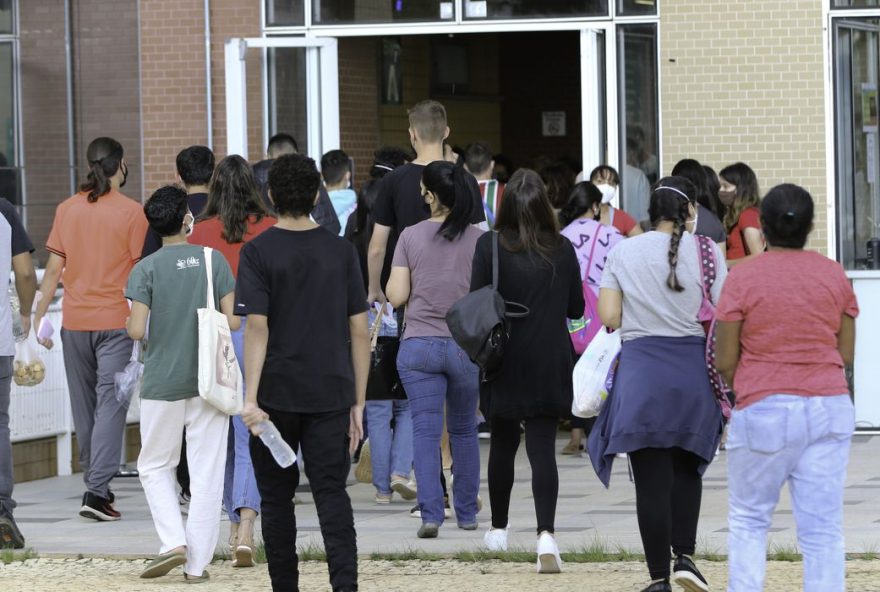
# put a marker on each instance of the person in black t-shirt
(400, 203)
(307, 357)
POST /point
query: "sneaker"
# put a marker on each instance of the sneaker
(363, 472)
(196, 579)
(405, 488)
(686, 575)
(383, 498)
(98, 508)
(162, 564)
(661, 586)
(416, 511)
(428, 530)
(495, 539)
(468, 526)
(10, 536)
(549, 560)
(483, 431)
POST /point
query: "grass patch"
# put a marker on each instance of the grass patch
(8, 556)
(408, 554)
(787, 553)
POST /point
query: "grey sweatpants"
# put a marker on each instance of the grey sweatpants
(6, 468)
(91, 360)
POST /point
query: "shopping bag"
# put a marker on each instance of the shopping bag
(128, 382)
(28, 368)
(590, 376)
(220, 379)
(384, 382)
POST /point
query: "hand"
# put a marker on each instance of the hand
(376, 296)
(355, 428)
(252, 415)
(47, 343)
(25, 325)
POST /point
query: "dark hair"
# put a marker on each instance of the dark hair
(747, 194)
(283, 143)
(334, 165)
(559, 180)
(787, 216)
(449, 184)
(582, 198)
(713, 186)
(478, 157)
(693, 171)
(670, 198)
(195, 165)
(105, 157)
(525, 220)
(604, 172)
(166, 209)
(501, 159)
(233, 198)
(293, 184)
(385, 160)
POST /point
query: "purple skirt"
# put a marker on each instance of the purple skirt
(661, 398)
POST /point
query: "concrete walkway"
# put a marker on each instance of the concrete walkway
(587, 515)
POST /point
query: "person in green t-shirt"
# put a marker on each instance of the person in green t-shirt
(166, 289)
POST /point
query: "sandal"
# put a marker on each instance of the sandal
(243, 552)
(572, 448)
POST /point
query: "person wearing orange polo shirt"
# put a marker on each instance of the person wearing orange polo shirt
(96, 239)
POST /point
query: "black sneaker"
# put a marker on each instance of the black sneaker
(686, 575)
(659, 587)
(98, 508)
(484, 431)
(10, 536)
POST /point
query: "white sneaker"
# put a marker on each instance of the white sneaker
(549, 560)
(495, 539)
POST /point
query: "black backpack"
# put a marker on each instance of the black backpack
(479, 322)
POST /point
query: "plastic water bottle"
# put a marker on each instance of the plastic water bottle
(281, 450)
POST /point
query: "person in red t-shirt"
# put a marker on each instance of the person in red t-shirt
(607, 180)
(783, 345)
(234, 215)
(739, 193)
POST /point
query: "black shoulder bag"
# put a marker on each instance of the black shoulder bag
(479, 322)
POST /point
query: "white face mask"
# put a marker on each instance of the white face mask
(691, 225)
(608, 192)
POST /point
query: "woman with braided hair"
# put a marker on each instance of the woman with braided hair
(661, 411)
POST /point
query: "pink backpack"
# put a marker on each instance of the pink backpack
(583, 330)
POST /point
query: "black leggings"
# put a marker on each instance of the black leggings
(541, 450)
(668, 494)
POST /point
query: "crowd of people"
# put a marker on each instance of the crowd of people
(308, 271)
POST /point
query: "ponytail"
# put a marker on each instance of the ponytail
(105, 158)
(451, 185)
(674, 243)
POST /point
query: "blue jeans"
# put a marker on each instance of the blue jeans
(804, 441)
(240, 485)
(390, 454)
(436, 373)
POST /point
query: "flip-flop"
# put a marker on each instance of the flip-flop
(162, 564)
(196, 579)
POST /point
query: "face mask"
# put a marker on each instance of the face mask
(124, 174)
(608, 192)
(688, 223)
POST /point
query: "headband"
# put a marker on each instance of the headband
(382, 166)
(681, 193)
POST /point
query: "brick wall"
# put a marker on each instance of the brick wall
(359, 102)
(44, 114)
(172, 85)
(743, 81)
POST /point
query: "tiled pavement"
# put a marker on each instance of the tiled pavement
(587, 513)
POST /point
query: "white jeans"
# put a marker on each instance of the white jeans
(162, 424)
(804, 441)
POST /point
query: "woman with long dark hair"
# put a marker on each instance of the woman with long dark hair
(96, 239)
(538, 268)
(661, 411)
(707, 224)
(430, 272)
(234, 215)
(742, 198)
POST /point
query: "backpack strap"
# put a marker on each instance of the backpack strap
(706, 259)
(590, 259)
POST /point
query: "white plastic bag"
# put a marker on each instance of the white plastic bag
(28, 368)
(128, 382)
(591, 372)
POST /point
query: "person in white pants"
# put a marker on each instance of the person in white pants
(166, 290)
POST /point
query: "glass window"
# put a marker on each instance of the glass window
(281, 13)
(636, 7)
(287, 94)
(6, 20)
(9, 174)
(331, 12)
(512, 9)
(854, 3)
(639, 129)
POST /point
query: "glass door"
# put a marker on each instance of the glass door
(302, 86)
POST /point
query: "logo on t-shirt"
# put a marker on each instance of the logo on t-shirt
(188, 262)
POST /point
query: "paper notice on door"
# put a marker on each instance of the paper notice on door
(871, 149)
(446, 11)
(475, 9)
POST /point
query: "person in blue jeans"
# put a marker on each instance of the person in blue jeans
(430, 271)
(390, 449)
(783, 344)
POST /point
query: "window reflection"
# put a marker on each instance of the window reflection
(511, 9)
(280, 13)
(287, 94)
(327, 12)
(9, 175)
(636, 7)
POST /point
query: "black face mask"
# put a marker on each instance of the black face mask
(124, 174)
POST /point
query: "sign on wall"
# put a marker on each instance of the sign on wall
(552, 123)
